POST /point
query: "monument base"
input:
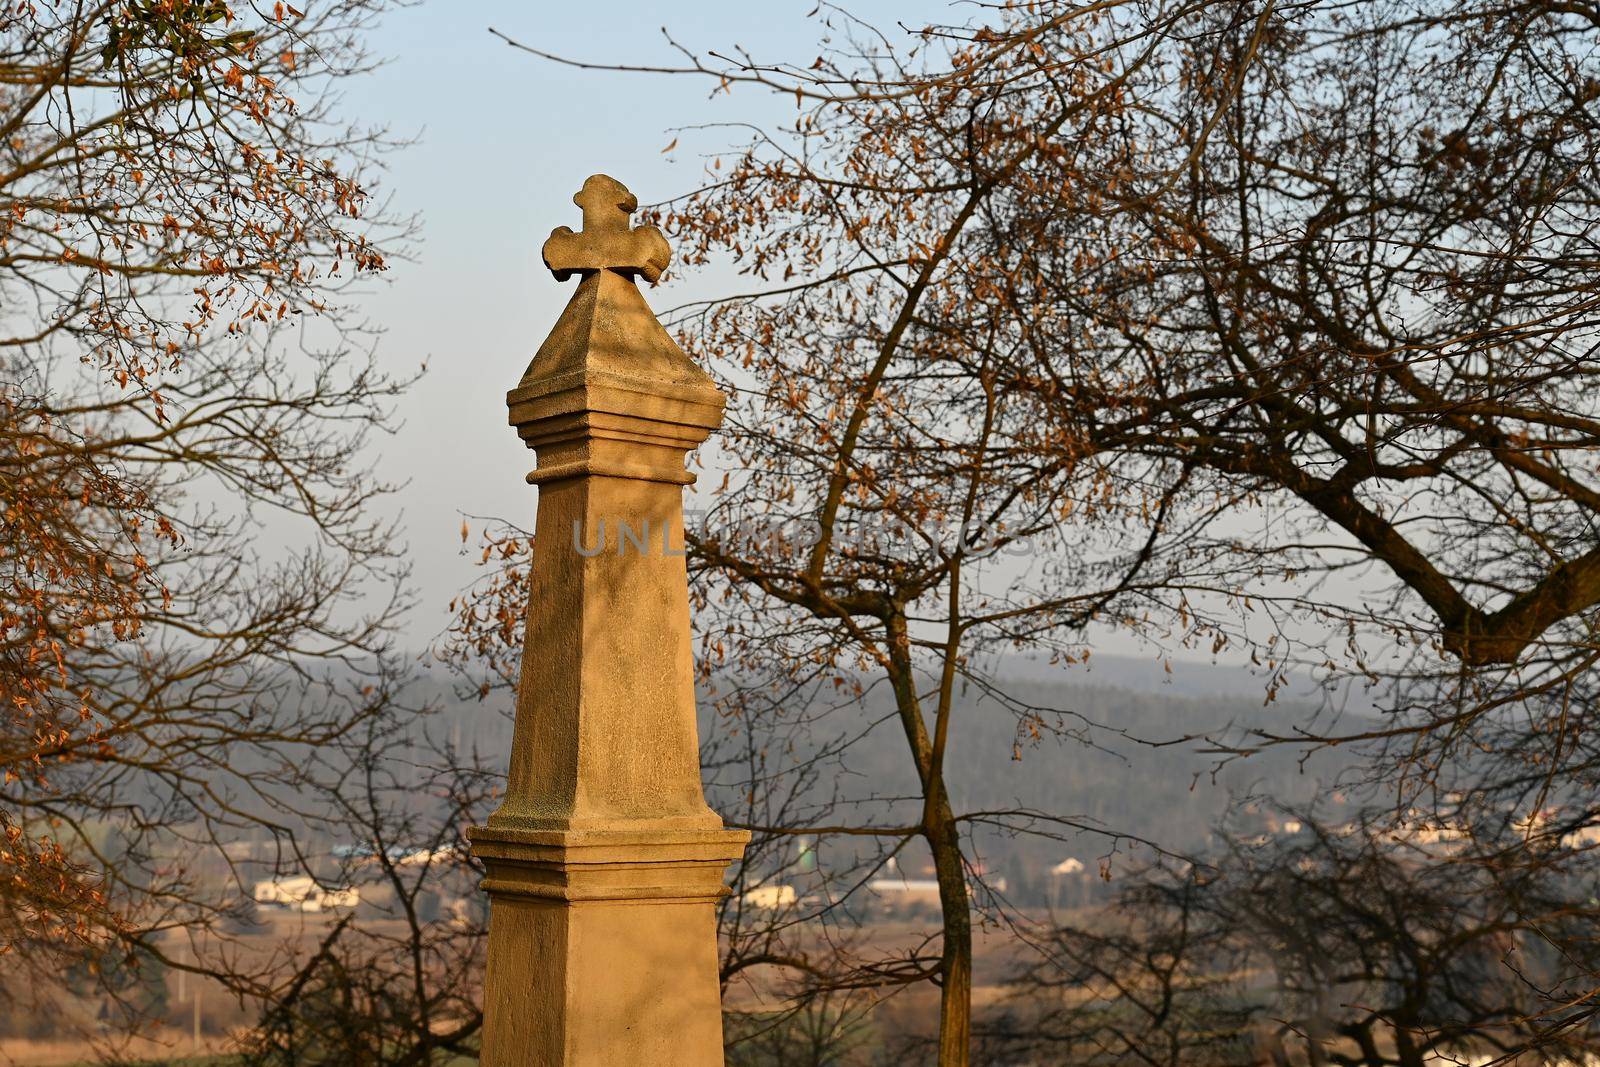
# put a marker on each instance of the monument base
(604, 946)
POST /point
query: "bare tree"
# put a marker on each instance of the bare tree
(1358, 943)
(397, 982)
(198, 586)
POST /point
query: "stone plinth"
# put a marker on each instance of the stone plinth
(604, 862)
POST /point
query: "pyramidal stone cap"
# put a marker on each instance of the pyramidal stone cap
(610, 392)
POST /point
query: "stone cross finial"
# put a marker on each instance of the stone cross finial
(606, 241)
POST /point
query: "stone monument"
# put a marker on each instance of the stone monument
(604, 863)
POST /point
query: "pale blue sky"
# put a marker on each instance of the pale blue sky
(505, 140)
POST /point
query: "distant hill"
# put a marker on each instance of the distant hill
(1126, 773)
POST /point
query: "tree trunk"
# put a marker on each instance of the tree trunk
(955, 1000)
(944, 841)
